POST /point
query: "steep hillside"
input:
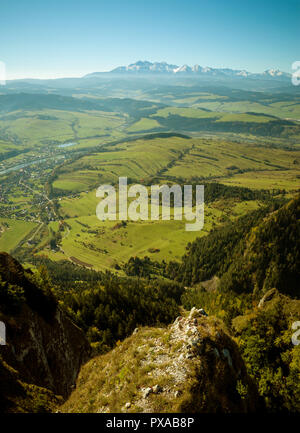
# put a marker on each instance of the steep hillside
(191, 366)
(255, 253)
(44, 349)
(269, 256)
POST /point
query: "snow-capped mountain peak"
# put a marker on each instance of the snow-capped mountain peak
(273, 72)
(183, 68)
(146, 67)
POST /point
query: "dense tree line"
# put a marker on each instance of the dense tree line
(110, 311)
(216, 191)
(143, 267)
(64, 273)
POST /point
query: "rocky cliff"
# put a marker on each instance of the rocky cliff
(191, 366)
(44, 349)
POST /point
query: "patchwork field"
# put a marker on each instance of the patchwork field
(137, 160)
(103, 245)
(222, 159)
(233, 101)
(178, 158)
(220, 117)
(284, 110)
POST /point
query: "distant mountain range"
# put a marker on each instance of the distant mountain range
(145, 67)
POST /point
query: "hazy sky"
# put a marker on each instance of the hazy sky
(41, 38)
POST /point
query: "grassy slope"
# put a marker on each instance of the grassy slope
(108, 244)
(221, 117)
(43, 126)
(144, 124)
(137, 159)
(212, 158)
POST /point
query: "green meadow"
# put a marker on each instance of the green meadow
(288, 180)
(12, 232)
(104, 244)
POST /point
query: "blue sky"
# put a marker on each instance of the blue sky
(40, 38)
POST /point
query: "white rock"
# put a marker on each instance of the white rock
(147, 391)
